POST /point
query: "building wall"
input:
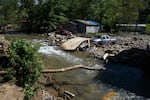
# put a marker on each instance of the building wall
(71, 27)
(131, 27)
(81, 28)
(92, 29)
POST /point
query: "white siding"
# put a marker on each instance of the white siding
(92, 29)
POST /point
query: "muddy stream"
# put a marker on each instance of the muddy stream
(127, 82)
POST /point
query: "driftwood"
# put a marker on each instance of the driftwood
(66, 69)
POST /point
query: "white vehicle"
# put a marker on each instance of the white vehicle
(104, 39)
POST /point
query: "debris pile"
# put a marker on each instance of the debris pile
(123, 43)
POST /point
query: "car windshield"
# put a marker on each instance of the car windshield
(103, 37)
(107, 37)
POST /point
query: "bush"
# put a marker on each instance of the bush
(148, 28)
(25, 64)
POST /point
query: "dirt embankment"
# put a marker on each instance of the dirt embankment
(11, 92)
(50, 89)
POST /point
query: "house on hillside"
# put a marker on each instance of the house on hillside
(83, 26)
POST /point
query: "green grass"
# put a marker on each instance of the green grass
(147, 27)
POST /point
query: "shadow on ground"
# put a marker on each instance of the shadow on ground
(129, 71)
(135, 57)
(3, 66)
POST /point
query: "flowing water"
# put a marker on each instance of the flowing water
(127, 82)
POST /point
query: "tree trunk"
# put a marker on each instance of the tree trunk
(66, 69)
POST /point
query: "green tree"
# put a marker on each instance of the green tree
(8, 10)
(112, 13)
(25, 65)
(45, 14)
(96, 10)
(48, 14)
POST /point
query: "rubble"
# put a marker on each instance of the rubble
(130, 49)
(123, 43)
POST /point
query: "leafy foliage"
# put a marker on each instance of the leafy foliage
(148, 28)
(25, 64)
(8, 9)
(48, 14)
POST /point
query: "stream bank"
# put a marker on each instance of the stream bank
(130, 49)
(113, 82)
(98, 84)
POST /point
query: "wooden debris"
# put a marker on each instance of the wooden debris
(69, 93)
(3, 72)
(105, 56)
(74, 43)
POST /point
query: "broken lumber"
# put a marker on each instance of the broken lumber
(3, 72)
(69, 93)
(74, 43)
(66, 69)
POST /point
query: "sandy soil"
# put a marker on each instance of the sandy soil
(10, 92)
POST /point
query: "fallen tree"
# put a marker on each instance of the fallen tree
(65, 69)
